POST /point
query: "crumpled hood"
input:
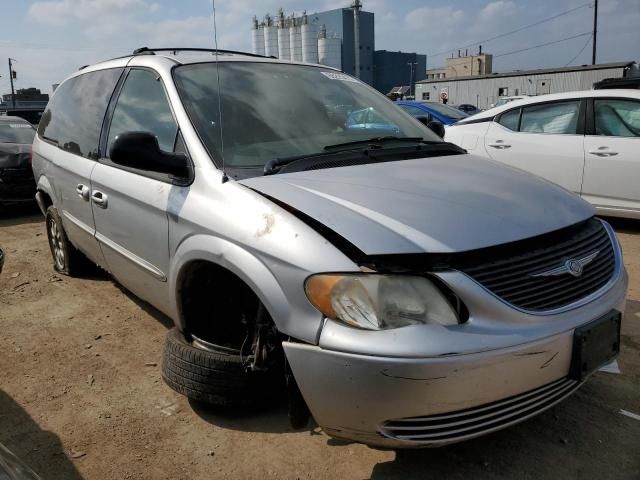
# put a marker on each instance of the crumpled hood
(444, 204)
(14, 155)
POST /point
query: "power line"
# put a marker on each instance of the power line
(581, 50)
(542, 45)
(539, 22)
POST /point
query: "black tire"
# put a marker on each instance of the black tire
(216, 378)
(66, 258)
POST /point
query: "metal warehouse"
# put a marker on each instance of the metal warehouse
(483, 90)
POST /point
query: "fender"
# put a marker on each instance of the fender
(288, 312)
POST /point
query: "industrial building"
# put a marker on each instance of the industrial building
(484, 90)
(327, 37)
(343, 38)
(28, 103)
(393, 69)
(463, 66)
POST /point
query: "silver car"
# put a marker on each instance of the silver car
(407, 293)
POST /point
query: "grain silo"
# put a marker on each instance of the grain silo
(283, 37)
(295, 40)
(257, 38)
(270, 38)
(329, 49)
(309, 34)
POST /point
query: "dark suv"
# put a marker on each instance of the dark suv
(16, 177)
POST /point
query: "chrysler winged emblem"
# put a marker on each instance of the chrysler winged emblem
(573, 266)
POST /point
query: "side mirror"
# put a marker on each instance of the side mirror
(436, 127)
(424, 119)
(141, 150)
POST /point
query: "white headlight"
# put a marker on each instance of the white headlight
(378, 302)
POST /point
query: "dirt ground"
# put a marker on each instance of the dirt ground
(81, 397)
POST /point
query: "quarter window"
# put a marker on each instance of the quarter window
(510, 119)
(617, 118)
(554, 118)
(73, 119)
(142, 106)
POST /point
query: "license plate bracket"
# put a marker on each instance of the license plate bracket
(595, 344)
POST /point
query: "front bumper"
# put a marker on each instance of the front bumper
(444, 398)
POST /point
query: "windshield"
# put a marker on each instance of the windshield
(272, 110)
(17, 132)
(503, 101)
(446, 110)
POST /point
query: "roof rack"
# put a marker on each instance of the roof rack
(151, 51)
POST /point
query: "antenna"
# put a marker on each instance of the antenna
(225, 178)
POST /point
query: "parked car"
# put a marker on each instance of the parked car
(586, 142)
(369, 119)
(409, 293)
(16, 177)
(504, 100)
(469, 109)
(630, 79)
(440, 112)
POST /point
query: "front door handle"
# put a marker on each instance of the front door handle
(603, 152)
(83, 191)
(500, 145)
(99, 199)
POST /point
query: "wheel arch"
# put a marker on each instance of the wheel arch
(44, 193)
(234, 259)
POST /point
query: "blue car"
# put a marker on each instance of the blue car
(445, 114)
(369, 119)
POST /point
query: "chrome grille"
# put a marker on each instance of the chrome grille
(476, 421)
(511, 276)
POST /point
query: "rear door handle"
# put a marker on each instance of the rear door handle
(603, 152)
(99, 199)
(83, 192)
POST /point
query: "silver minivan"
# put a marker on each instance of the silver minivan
(405, 292)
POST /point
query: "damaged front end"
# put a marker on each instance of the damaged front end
(394, 375)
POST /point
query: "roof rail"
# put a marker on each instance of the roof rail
(151, 51)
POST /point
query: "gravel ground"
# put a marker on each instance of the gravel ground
(81, 397)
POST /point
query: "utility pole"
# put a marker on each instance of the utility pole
(595, 31)
(13, 93)
(411, 66)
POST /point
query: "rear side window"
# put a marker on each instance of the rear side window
(73, 118)
(510, 119)
(554, 118)
(142, 106)
(617, 118)
(415, 111)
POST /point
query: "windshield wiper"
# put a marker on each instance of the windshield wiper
(361, 156)
(273, 166)
(375, 142)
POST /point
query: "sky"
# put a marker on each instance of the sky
(50, 39)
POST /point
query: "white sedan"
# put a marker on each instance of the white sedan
(588, 142)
